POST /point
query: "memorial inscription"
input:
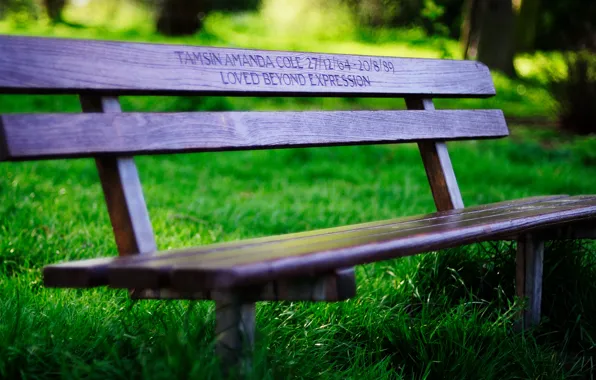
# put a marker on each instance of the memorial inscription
(238, 69)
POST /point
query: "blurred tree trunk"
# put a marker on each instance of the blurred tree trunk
(526, 24)
(54, 9)
(496, 42)
(179, 17)
(469, 30)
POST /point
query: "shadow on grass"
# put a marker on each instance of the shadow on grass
(480, 278)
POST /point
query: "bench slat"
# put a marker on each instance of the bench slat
(36, 136)
(94, 272)
(44, 65)
(258, 253)
(325, 256)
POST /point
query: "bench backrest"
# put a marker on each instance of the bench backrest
(44, 65)
(99, 71)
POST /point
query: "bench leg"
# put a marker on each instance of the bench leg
(528, 277)
(234, 330)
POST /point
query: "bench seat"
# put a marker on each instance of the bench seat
(314, 265)
(256, 261)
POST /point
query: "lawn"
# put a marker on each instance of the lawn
(440, 315)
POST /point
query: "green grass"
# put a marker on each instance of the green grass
(440, 315)
(428, 318)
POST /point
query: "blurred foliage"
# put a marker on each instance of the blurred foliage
(179, 17)
(566, 25)
(585, 148)
(54, 9)
(576, 94)
(288, 25)
(434, 16)
(184, 17)
(386, 12)
(20, 11)
(318, 19)
(560, 25)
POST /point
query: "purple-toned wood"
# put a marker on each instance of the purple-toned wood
(387, 246)
(437, 164)
(76, 135)
(93, 272)
(529, 260)
(205, 268)
(122, 190)
(44, 65)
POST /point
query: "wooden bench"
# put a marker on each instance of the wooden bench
(314, 265)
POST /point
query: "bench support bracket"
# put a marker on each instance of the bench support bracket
(528, 276)
(437, 164)
(122, 190)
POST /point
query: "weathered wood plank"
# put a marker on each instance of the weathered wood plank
(43, 65)
(437, 164)
(204, 269)
(342, 253)
(529, 261)
(122, 191)
(93, 272)
(76, 135)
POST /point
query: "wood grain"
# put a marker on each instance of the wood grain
(84, 135)
(323, 256)
(437, 165)
(93, 272)
(122, 191)
(529, 263)
(186, 271)
(45, 65)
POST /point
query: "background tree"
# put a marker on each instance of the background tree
(183, 17)
(179, 17)
(496, 44)
(469, 28)
(19, 10)
(564, 25)
(54, 9)
(526, 25)
(490, 29)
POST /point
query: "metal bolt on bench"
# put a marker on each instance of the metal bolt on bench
(306, 266)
